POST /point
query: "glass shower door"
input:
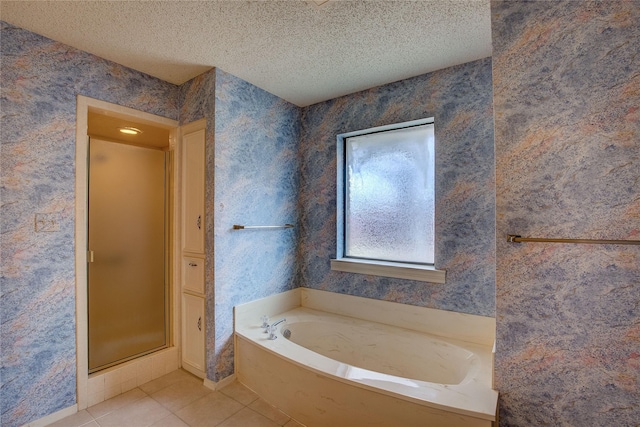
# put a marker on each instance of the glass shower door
(127, 258)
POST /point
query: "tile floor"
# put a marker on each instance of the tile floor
(179, 399)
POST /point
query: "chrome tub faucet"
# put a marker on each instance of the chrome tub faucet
(272, 329)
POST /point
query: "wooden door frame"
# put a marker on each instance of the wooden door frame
(83, 106)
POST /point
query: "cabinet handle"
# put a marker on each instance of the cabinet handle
(192, 264)
(200, 323)
(199, 221)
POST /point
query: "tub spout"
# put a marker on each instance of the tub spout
(272, 329)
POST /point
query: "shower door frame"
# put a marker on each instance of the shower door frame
(83, 106)
(101, 273)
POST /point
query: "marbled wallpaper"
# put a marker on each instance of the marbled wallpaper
(256, 183)
(40, 81)
(252, 179)
(567, 134)
(460, 100)
(566, 93)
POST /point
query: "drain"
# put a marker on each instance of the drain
(286, 333)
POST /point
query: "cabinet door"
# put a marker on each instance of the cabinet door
(193, 275)
(193, 192)
(193, 331)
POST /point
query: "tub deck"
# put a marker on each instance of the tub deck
(318, 390)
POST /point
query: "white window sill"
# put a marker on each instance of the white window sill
(424, 273)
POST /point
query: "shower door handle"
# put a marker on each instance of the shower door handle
(199, 222)
(200, 323)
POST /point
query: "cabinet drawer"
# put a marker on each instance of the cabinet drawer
(193, 274)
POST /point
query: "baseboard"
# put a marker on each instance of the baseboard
(218, 385)
(195, 371)
(52, 418)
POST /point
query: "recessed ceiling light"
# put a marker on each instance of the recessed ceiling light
(130, 130)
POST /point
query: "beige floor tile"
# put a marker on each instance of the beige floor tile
(143, 413)
(239, 392)
(91, 424)
(180, 393)
(170, 421)
(76, 420)
(293, 423)
(269, 411)
(248, 418)
(165, 381)
(209, 410)
(117, 402)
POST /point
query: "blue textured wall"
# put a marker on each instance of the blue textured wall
(567, 114)
(40, 81)
(256, 183)
(252, 178)
(460, 100)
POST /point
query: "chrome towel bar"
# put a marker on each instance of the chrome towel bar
(262, 227)
(518, 239)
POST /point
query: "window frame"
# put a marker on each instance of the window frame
(402, 270)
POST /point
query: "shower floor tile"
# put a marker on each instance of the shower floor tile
(179, 399)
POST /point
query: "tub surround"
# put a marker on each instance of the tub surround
(447, 324)
(407, 401)
(319, 401)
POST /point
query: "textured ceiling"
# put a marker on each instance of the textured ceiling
(298, 50)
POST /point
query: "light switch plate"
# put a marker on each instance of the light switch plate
(47, 222)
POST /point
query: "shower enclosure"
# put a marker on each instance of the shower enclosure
(127, 256)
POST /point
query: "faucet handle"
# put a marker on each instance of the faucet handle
(272, 332)
(265, 323)
(272, 329)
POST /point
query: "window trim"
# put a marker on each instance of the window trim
(398, 270)
(401, 270)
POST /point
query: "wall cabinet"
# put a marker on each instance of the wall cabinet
(193, 332)
(193, 248)
(193, 188)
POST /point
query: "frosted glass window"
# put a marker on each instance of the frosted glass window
(389, 199)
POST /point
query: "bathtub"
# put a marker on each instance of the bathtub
(351, 361)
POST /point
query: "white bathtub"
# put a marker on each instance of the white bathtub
(338, 370)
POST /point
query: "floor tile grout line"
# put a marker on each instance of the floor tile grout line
(185, 421)
(233, 398)
(220, 423)
(274, 421)
(118, 408)
(239, 398)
